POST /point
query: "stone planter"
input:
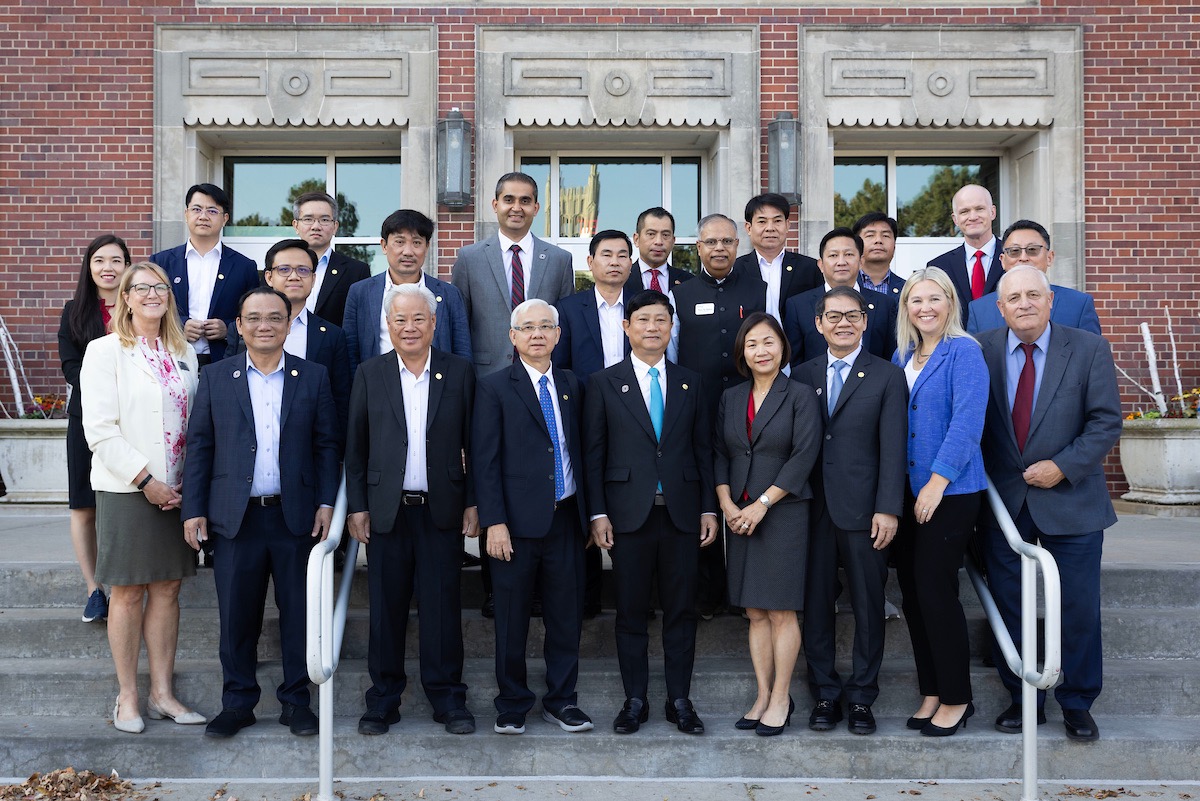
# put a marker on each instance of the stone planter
(33, 460)
(1161, 460)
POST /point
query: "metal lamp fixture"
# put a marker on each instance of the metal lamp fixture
(783, 157)
(454, 135)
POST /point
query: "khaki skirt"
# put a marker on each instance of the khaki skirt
(138, 543)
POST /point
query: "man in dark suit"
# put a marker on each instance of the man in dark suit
(654, 239)
(261, 475)
(878, 233)
(404, 238)
(864, 448)
(974, 266)
(841, 253)
(768, 218)
(652, 501)
(410, 502)
(315, 218)
(1027, 242)
(207, 277)
(1053, 415)
(527, 463)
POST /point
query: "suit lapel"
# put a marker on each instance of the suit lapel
(677, 392)
(291, 377)
(525, 391)
(495, 259)
(437, 382)
(316, 338)
(241, 387)
(770, 405)
(395, 392)
(565, 402)
(332, 276)
(591, 321)
(219, 283)
(535, 268)
(935, 363)
(859, 372)
(1058, 357)
(997, 363)
(625, 384)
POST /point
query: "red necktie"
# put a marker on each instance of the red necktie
(1022, 410)
(654, 283)
(977, 279)
(518, 277)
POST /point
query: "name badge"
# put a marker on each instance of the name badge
(706, 308)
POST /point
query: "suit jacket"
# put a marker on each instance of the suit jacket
(954, 262)
(512, 455)
(119, 393)
(364, 304)
(1071, 308)
(800, 274)
(236, 275)
(864, 445)
(327, 347)
(783, 449)
(624, 462)
(675, 277)
(340, 274)
(895, 285)
(70, 356)
(807, 342)
(580, 348)
(479, 275)
(377, 440)
(1075, 423)
(221, 444)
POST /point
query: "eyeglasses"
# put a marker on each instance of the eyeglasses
(303, 272)
(143, 290)
(211, 211)
(258, 319)
(835, 317)
(712, 243)
(545, 328)
(1030, 250)
(309, 222)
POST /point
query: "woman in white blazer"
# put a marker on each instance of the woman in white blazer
(137, 386)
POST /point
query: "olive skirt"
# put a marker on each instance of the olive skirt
(138, 543)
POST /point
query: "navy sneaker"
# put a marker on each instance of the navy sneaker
(97, 607)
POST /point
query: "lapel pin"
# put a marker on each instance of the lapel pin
(295, 373)
(862, 375)
(439, 298)
(334, 272)
(220, 276)
(237, 373)
(542, 256)
(818, 390)
(322, 329)
(565, 397)
(438, 376)
(789, 268)
(685, 386)
(177, 279)
(624, 387)
(870, 305)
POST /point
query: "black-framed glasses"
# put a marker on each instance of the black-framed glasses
(303, 272)
(852, 316)
(1031, 251)
(143, 290)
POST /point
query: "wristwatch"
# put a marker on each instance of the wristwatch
(764, 500)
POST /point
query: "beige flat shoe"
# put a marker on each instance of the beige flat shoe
(188, 718)
(135, 726)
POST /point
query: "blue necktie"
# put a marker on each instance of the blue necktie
(835, 386)
(548, 413)
(656, 408)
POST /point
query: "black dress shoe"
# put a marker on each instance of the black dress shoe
(300, 719)
(861, 720)
(1080, 725)
(763, 730)
(229, 723)
(930, 729)
(376, 722)
(1009, 721)
(457, 721)
(570, 718)
(683, 715)
(632, 716)
(825, 715)
(488, 609)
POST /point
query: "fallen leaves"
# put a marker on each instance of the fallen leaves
(1088, 792)
(68, 784)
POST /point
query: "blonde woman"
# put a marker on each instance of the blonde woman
(948, 390)
(137, 385)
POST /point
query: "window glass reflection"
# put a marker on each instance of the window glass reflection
(925, 189)
(859, 187)
(685, 195)
(368, 190)
(600, 193)
(261, 192)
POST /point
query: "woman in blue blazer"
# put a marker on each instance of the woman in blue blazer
(948, 389)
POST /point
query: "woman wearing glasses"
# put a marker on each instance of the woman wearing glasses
(137, 385)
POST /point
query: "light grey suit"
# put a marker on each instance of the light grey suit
(479, 276)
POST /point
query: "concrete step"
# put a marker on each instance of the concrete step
(1129, 748)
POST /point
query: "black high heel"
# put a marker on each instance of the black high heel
(917, 723)
(931, 730)
(745, 724)
(763, 730)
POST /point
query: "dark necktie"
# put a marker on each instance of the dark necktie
(1022, 410)
(977, 278)
(518, 277)
(654, 283)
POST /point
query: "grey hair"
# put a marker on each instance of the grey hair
(404, 290)
(711, 218)
(529, 305)
(1020, 269)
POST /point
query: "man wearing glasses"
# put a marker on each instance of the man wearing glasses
(1027, 242)
(207, 277)
(315, 218)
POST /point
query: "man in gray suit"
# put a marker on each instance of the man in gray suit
(1053, 414)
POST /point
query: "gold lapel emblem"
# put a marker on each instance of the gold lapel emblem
(685, 386)
(295, 373)
(322, 329)
(438, 376)
(220, 276)
(862, 375)
(789, 268)
(333, 271)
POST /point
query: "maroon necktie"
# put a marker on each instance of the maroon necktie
(1022, 410)
(977, 278)
(654, 283)
(518, 277)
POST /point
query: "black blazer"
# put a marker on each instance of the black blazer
(377, 440)
(70, 355)
(800, 274)
(341, 272)
(675, 277)
(512, 456)
(954, 263)
(807, 342)
(862, 468)
(580, 348)
(624, 460)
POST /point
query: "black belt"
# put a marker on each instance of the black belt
(659, 500)
(414, 498)
(570, 499)
(266, 500)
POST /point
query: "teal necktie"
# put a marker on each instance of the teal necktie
(835, 384)
(656, 403)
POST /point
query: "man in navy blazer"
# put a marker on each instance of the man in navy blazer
(261, 477)
(1027, 242)
(404, 237)
(207, 277)
(841, 254)
(878, 233)
(1053, 415)
(315, 218)
(974, 266)
(591, 331)
(527, 457)
(654, 238)
(786, 274)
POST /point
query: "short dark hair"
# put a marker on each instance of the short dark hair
(838, 233)
(213, 191)
(310, 197)
(263, 290)
(611, 233)
(517, 176)
(872, 217)
(647, 297)
(409, 220)
(287, 244)
(739, 344)
(1026, 225)
(759, 202)
(841, 292)
(656, 211)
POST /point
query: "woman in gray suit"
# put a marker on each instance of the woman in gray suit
(768, 437)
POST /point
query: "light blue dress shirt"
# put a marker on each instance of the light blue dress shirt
(266, 400)
(1014, 362)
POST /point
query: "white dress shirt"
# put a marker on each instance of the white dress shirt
(318, 279)
(844, 370)
(641, 371)
(989, 250)
(202, 274)
(612, 333)
(772, 274)
(415, 388)
(266, 400)
(297, 338)
(385, 337)
(526, 245)
(536, 377)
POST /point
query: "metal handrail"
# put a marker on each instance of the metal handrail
(326, 624)
(1024, 664)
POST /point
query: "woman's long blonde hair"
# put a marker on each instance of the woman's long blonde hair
(170, 330)
(908, 337)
